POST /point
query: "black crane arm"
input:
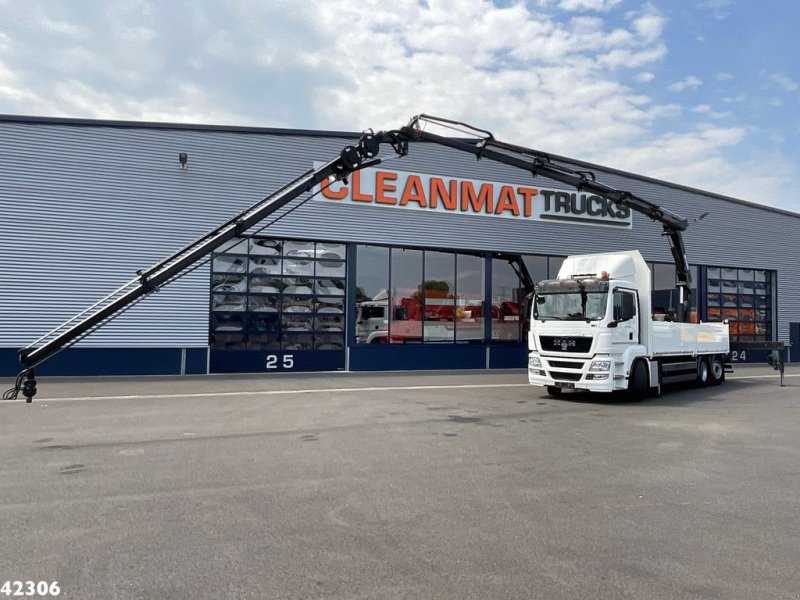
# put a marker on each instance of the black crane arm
(352, 158)
(539, 163)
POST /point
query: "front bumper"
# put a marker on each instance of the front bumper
(570, 373)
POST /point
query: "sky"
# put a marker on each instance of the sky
(704, 93)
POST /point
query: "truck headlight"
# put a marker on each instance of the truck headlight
(534, 362)
(600, 365)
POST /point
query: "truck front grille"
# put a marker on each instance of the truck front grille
(565, 376)
(563, 364)
(553, 343)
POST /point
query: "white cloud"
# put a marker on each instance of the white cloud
(649, 26)
(718, 8)
(687, 83)
(740, 97)
(532, 74)
(722, 76)
(783, 82)
(586, 5)
(707, 110)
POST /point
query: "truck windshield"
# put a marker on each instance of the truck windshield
(572, 306)
(372, 312)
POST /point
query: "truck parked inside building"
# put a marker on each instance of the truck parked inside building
(435, 314)
(594, 328)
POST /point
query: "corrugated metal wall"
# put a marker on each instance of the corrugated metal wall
(86, 205)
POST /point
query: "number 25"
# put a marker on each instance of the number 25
(286, 363)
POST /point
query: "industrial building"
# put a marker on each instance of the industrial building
(405, 266)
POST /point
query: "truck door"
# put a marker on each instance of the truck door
(625, 315)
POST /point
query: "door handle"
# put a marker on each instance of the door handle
(630, 335)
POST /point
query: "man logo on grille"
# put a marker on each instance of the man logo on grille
(565, 343)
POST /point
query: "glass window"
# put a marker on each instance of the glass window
(238, 246)
(229, 264)
(271, 294)
(266, 285)
(265, 266)
(537, 267)
(330, 251)
(405, 306)
(624, 306)
(265, 247)
(745, 301)
(372, 294)
(664, 276)
(665, 296)
(372, 273)
(469, 298)
(555, 263)
(438, 292)
(507, 302)
(298, 249)
(297, 265)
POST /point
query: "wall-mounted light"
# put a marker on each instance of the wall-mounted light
(183, 158)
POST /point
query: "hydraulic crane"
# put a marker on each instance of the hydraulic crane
(363, 154)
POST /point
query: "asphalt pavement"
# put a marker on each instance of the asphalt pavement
(454, 485)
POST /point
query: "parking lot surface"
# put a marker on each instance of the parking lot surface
(409, 485)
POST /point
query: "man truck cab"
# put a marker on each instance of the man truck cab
(593, 328)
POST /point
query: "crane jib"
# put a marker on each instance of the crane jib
(351, 159)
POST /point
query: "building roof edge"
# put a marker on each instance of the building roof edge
(40, 120)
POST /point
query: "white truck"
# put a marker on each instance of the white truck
(594, 329)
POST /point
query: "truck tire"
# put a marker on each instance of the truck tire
(638, 381)
(703, 372)
(554, 391)
(717, 370)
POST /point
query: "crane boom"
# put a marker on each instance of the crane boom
(352, 158)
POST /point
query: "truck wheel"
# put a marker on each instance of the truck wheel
(703, 372)
(638, 381)
(554, 391)
(717, 371)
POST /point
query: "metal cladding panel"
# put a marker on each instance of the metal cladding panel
(85, 206)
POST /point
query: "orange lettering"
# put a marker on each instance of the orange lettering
(527, 196)
(449, 197)
(483, 200)
(507, 201)
(332, 194)
(382, 187)
(357, 195)
(413, 192)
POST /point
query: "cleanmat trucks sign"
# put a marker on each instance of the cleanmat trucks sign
(415, 191)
